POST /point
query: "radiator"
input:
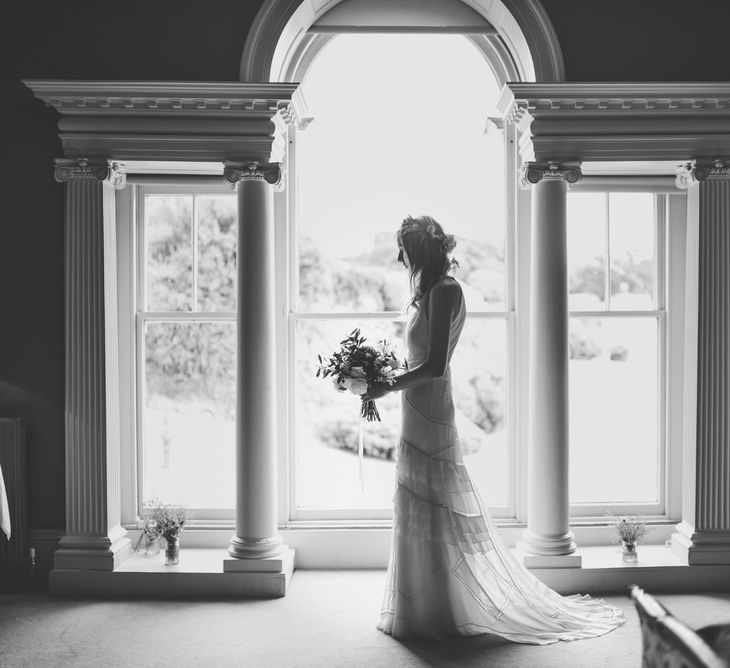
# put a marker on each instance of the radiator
(13, 464)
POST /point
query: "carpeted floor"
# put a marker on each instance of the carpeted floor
(327, 619)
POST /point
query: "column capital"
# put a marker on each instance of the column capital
(68, 169)
(534, 172)
(697, 171)
(271, 172)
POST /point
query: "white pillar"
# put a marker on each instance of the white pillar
(703, 536)
(94, 538)
(257, 546)
(548, 541)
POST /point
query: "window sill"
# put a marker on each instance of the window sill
(200, 574)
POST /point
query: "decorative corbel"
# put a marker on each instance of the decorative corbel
(271, 172)
(700, 170)
(534, 172)
(67, 169)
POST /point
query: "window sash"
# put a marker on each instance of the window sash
(296, 514)
(586, 511)
(174, 186)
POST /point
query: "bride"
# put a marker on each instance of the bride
(449, 573)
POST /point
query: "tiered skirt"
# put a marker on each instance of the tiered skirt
(449, 573)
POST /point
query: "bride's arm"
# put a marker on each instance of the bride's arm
(443, 303)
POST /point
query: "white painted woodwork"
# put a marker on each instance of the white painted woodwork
(198, 575)
(386, 15)
(94, 538)
(167, 121)
(518, 33)
(257, 532)
(703, 536)
(208, 122)
(548, 541)
(619, 121)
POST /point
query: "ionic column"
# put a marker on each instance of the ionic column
(548, 541)
(257, 546)
(703, 536)
(94, 538)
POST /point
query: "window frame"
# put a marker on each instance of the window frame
(670, 251)
(287, 254)
(517, 213)
(132, 320)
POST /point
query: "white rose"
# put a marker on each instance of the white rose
(357, 386)
(357, 372)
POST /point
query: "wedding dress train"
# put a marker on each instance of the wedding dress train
(449, 573)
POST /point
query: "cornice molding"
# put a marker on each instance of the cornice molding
(621, 98)
(155, 97)
(171, 121)
(618, 121)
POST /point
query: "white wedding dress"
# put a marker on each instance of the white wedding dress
(449, 572)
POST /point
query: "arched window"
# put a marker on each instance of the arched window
(399, 127)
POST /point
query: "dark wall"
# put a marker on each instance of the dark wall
(81, 39)
(203, 40)
(642, 40)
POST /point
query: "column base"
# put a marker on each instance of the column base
(540, 551)
(532, 560)
(256, 548)
(703, 548)
(281, 563)
(92, 553)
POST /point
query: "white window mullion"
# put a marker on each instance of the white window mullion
(194, 246)
(607, 263)
(511, 419)
(660, 250)
(141, 402)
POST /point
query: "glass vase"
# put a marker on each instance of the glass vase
(628, 551)
(151, 546)
(172, 550)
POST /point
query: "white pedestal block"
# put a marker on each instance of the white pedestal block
(277, 564)
(198, 575)
(529, 560)
(96, 553)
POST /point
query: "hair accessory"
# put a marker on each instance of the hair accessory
(414, 225)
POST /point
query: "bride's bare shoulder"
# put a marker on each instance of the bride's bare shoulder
(447, 288)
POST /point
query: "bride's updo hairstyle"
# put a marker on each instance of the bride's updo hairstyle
(428, 249)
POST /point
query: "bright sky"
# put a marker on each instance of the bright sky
(631, 218)
(398, 129)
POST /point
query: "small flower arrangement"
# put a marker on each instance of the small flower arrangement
(165, 520)
(148, 536)
(168, 519)
(355, 365)
(628, 529)
(628, 532)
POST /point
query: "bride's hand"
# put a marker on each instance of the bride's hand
(376, 390)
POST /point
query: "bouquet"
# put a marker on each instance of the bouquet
(355, 365)
(628, 529)
(165, 519)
